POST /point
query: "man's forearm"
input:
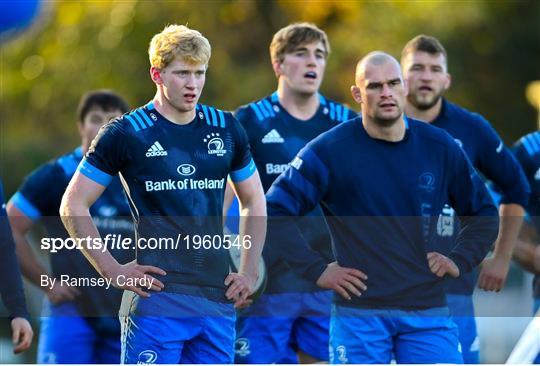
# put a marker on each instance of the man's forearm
(79, 224)
(31, 268)
(228, 197)
(511, 220)
(252, 229)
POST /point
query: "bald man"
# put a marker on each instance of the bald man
(382, 180)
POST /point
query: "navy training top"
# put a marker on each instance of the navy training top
(382, 200)
(527, 151)
(275, 137)
(488, 154)
(39, 198)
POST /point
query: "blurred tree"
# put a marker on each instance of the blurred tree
(494, 51)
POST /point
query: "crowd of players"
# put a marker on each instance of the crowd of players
(396, 220)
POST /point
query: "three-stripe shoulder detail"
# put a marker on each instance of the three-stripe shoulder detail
(337, 112)
(263, 109)
(139, 120)
(68, 163)
(531, 143)
(213, 117)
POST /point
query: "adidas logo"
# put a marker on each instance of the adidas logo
(156, 150)
(272, 137)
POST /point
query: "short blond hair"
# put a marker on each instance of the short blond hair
(178, 41)
(287, 39)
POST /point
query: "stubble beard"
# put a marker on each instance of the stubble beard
(386, 122)
(425, 104)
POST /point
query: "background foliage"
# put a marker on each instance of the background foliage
(494, 51)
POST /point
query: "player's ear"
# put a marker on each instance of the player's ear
(355, 92)
(276, 65)
(448, 81)
(80, 126)
(155, 74)
(405, 86)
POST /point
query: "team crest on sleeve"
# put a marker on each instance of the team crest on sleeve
(215, 144)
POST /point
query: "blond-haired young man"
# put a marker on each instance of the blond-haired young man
(174, 156)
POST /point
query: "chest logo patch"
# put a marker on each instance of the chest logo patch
(156, 150)
(186, 170)
(426, 181)
(215, 144)
(272, 137)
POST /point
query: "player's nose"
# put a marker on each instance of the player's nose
(311, 59)
(386, 91)
(191, 82)
(426, 75)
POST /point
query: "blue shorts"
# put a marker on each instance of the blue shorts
(267, 330)
(67, 337)
(170, 328)
(375, 335)
(462, 311)
(291, 356)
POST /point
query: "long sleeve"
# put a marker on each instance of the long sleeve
(295, 193)
(11, 286)
(477, 212)
(500, 166)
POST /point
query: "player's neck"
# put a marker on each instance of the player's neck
(300, 106)
(425, 115)
(170, 113)
(85, 145)
(392, 133)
